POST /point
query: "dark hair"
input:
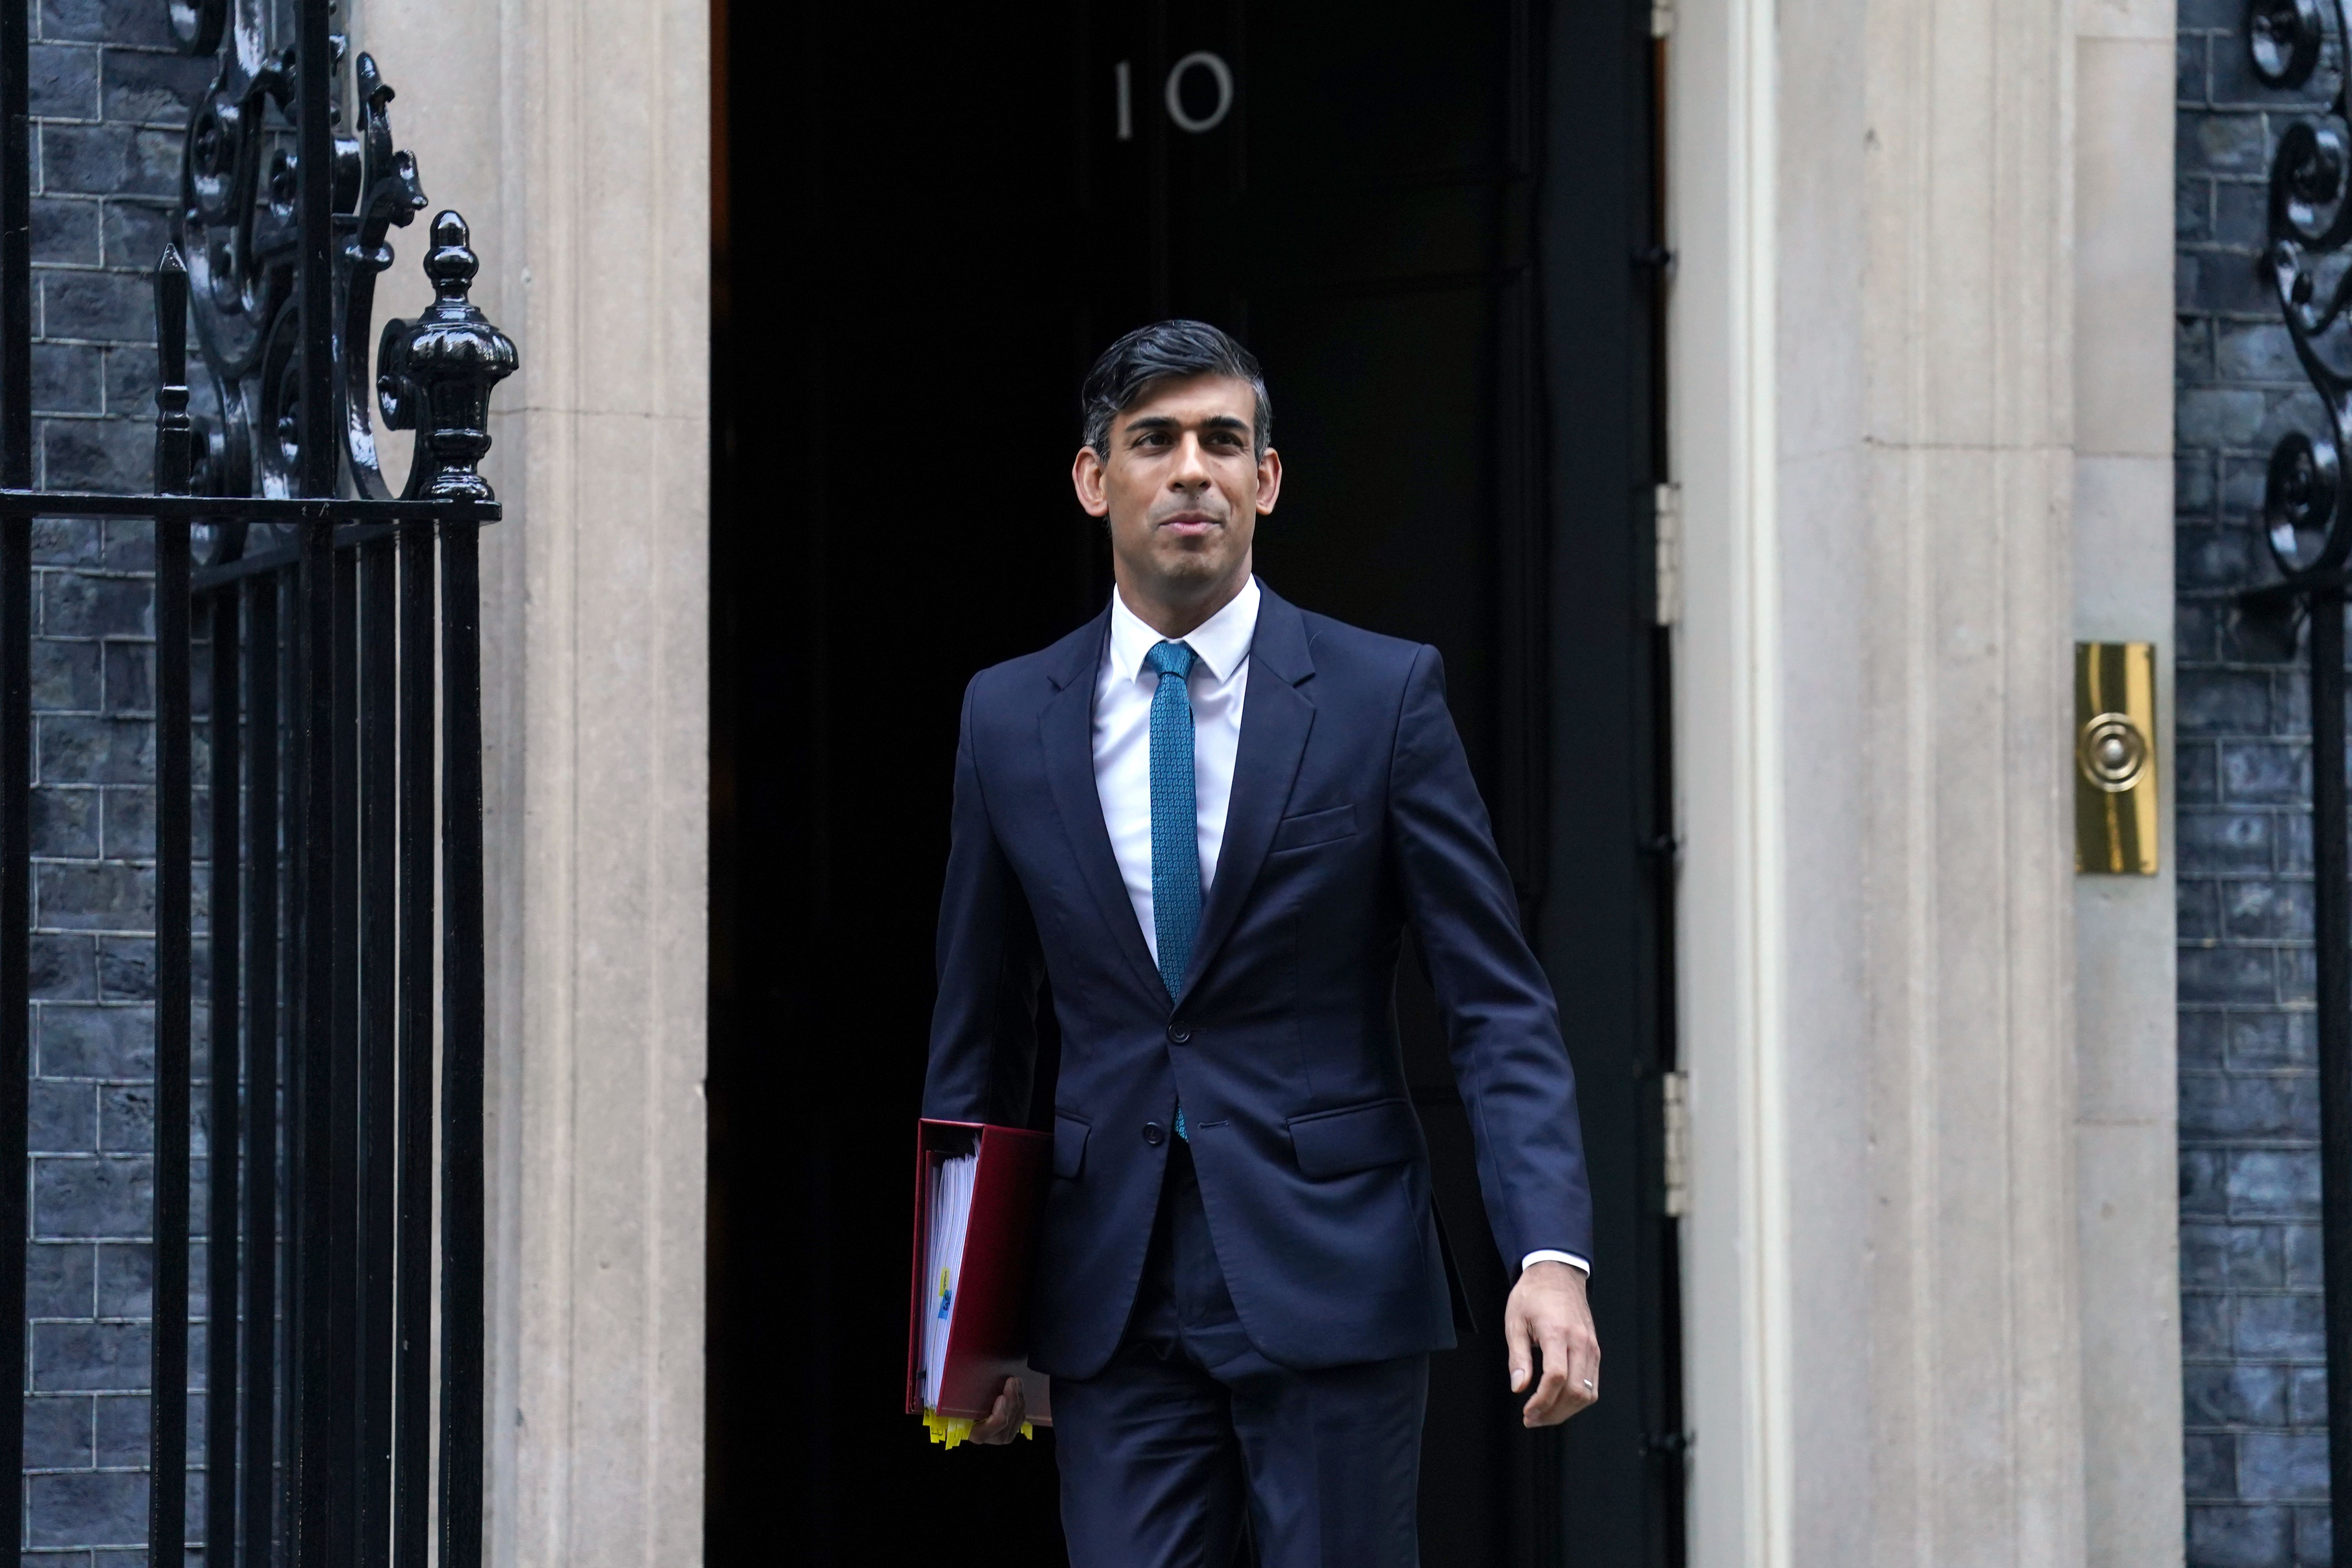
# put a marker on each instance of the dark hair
(1165, 351)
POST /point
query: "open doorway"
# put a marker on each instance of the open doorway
(1436, 230)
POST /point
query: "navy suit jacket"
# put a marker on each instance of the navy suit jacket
(1353, 814)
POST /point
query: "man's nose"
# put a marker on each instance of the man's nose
(1191, 464)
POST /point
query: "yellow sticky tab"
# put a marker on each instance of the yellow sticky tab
(950, 1430)
(947, 1429)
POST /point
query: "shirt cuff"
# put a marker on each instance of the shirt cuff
(1572, 1259)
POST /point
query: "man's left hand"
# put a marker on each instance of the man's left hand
(1003, 1422)
(1548, 1313)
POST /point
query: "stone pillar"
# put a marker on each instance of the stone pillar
(574, 135)
(2126, 1023)
(1872, 365)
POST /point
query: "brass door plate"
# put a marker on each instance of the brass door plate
(2114, 758)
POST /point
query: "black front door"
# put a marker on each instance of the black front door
(1431, 227)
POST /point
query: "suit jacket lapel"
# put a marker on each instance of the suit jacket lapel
(1067, 731)
(1276, 720)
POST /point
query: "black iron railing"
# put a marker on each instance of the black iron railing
(341, 786)
(2308, 526)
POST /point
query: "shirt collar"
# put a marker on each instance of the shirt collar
(1220, 643)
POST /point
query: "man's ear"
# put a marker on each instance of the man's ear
(1269, 481)
(1087, 479)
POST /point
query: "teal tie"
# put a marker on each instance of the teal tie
(1175, 822)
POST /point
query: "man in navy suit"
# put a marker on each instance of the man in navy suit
(1206, 819)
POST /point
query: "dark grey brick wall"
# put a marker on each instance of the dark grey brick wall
(111, 99)
(2255, 1379)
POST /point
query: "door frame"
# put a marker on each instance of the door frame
(1722, 159)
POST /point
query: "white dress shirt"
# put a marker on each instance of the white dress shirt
(1123, 693)
(1122, 739)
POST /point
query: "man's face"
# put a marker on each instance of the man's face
(1183, 487)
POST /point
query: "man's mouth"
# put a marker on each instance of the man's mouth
(1189, 523)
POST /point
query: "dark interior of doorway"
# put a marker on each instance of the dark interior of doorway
(1438, 229)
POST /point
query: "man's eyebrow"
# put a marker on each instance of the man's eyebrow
(1168, 421)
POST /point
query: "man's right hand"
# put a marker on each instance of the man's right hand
(1004, 1422)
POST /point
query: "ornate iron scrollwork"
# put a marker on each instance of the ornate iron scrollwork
(2304, 511)
(237, 228)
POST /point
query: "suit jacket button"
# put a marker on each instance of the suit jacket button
(1154, 1134)
(1179, 1035)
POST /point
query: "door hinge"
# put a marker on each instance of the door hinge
(1669, 508)
(1662, 18)
(1675, 1100)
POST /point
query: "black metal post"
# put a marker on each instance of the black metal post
(345, 1257)
(225, 1141)
(412, 1468)
(310, 1051)
(167, 1500)
(2332, 914)
(378, 869)
(300, 1262)
(322, 1530)
(463, 1042)
(264, 860)
(440, 372)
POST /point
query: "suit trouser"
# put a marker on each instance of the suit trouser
(1164, 1450)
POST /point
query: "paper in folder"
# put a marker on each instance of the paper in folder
(978, 1191)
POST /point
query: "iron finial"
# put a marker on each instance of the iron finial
(437, 371)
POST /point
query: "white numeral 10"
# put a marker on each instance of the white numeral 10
(1172, 94)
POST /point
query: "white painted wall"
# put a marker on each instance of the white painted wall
(2125, 999)
(1930, 1303)
(575, 135)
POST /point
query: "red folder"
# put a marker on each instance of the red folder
(988, 1332)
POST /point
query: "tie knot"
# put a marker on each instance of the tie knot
(1171, 659)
